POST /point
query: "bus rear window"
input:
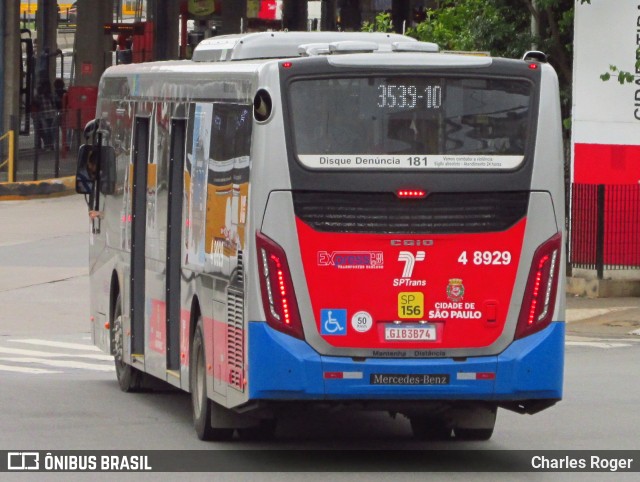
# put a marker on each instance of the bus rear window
(452, 122)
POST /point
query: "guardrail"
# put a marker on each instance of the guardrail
(10, 160)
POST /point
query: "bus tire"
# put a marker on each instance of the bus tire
(129, 378)
(426, 427)
(201, 405)
(475, 423)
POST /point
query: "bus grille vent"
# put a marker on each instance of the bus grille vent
(438, 213)
(239, 275)
(235, 338)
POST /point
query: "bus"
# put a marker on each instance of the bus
(349, 219)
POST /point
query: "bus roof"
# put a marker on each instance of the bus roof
(273, 45)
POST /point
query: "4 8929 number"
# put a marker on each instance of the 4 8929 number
(502, 258)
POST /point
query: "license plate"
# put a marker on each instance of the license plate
(410, 333)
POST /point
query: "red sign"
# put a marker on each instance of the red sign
(268, 10)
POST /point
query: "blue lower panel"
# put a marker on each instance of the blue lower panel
(284, 368)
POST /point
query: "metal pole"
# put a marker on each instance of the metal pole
(56, 145)
(36, 152)
(11, 176)
(600, 232)
(15, 125)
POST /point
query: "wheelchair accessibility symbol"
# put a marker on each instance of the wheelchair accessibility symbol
(333, 322)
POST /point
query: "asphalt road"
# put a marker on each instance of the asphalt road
(57, 392)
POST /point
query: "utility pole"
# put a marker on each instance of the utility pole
(164, 14)
(93, 49)
(535, 25)
(47, 28)
(328, 20)
(234, 13)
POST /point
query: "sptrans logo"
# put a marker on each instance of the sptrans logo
(351, 259)
(410, 261)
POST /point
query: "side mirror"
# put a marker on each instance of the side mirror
(96, 162)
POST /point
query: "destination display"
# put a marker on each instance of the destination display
(410, 122)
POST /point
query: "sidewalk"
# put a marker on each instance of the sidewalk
(45, 188)
(47, 164)
(603, 317)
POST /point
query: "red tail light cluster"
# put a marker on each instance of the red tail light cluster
(540, 294)
(278, 296)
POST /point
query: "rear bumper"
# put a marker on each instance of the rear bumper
(284, 368)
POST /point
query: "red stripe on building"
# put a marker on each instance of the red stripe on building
(606, 164)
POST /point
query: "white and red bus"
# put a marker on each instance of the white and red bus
(340, 218)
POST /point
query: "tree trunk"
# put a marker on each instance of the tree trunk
(350, 17)
(400, 14)
(294, 15)
(328, 21)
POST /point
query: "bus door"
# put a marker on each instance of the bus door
(157, 272)
(174, 238)
(136, 279)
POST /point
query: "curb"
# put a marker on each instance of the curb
(605, 288)
(16, 191)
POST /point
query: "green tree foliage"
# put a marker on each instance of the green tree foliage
(382, 23)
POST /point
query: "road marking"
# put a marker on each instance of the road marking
(60, 363)
(36, 353)
(57, 344)
(34, 371)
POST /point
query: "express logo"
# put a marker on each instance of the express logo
(410, 261)
(351, 259)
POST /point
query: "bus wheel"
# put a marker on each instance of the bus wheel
(200, 403)
(129, 378)
(474, 423)
(266, 430)
(430, 428)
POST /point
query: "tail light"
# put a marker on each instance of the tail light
(278, 296)
(540, 293)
